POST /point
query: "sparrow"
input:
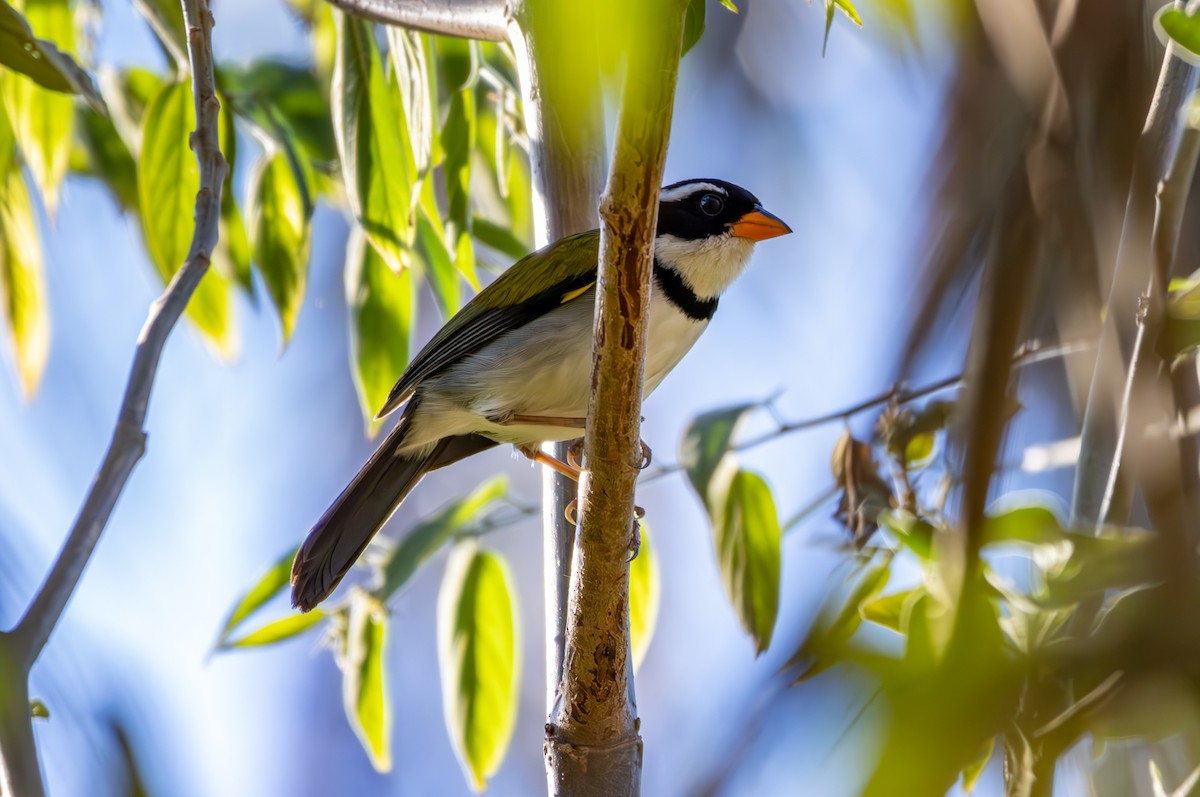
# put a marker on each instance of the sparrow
(514, 364)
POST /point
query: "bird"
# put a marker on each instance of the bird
(513, 366)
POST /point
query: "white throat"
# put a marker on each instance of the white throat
(707, 266)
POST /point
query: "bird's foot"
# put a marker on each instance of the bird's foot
(572, 512)
(647, 455)
(557, 465)
(575, 454)
(635, 540)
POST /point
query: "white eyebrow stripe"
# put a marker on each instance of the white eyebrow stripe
(687, 189)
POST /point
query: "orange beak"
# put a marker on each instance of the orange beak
(759, 225)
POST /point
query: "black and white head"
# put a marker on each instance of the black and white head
(707, 230)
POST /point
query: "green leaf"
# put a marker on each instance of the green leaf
(645, 586)
(280, 234)
(364, 682)
(1033, 525)
(729, 4)
(412, 80)
(38, 709)
(277, 577)
(383, 310)
(431, 534)
(1183, 29)
(747, 540)
(458, 137)
(23, 295)
(232, 255)
(891, 611)
(971, 772)
(372, 140)
(42, 120)
(913, 532)
(837, 622)
(439, 268)
(479, 654)
(276, 631)
(705, 443)
(166, 20)
(847, 8)
(285, 101)
(168, 181)
(107, 158)
(499, 238)
(39, 59)
(693, 24)
(128, 94)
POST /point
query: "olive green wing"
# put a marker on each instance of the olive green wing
(530, 288)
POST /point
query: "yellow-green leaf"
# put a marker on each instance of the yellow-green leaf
(383, 309)
(106, 157)
(364, 681)
(412, 80)
(168, 180)
(43, 120)
(23, 282)
(1182, 28)
(972, 771)
(232, 255)
(479, 655)
(280, 234)
(747, 539)
(277, 577)
(891, 611)
(431, 534)
(847, 8)
(38, 709)
(39, 59)
(276, 631)
(458, 141)
(644, 594)
(372, 141)
(166, 20)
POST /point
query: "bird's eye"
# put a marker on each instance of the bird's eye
(711, 204)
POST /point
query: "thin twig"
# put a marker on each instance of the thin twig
(486, 20)
(128, 440)
(19, 649)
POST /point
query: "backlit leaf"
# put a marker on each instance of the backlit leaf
(286, 102)
(166, 20)
(1033, 525)
(23, 282)
(847, 8)
(891, 611)
(458, 137)
(38, 709)
(411, 70)
(645, 586)
(39, 58)
(1183, 30)
(108, 158)
(693, 24)
(277, 578)
(383, 309)
(232, 254)
(43, 120)
(705, 443)
(364, 679)
(747, 541)
(971, 772)
(372, 140)
(479, 655)
(168, 180)
(418, 545)
(280, 213)
(443, 277)
(498, 237)
(277, 631)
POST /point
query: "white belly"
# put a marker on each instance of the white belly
(542, 369)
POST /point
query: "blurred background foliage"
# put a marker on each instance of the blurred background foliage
(908, 604)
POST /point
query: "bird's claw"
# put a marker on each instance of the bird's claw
(647, 455)
(635, 540)
(572, 513)
(575, 454)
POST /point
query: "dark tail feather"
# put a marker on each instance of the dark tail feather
(340, 536)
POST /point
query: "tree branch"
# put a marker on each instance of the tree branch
(19, 774)
(487, 20)
(593, 746)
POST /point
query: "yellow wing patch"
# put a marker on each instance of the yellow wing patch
(575, 294)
